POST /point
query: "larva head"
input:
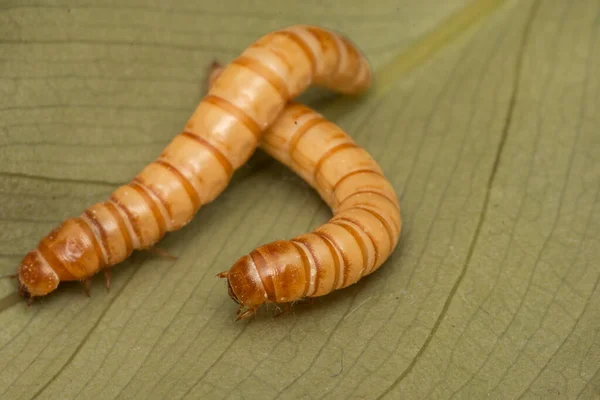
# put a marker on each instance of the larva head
(36, 277)
(277, 272)
(244, 286)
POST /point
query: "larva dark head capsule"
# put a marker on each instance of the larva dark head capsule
(245, 287)
(68, 253)
(276, 272)
(23, 292)
(230, 289)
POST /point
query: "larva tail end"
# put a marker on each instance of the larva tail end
(224, 274)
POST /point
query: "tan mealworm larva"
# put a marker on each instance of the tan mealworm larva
(197, 165)
(361, 235)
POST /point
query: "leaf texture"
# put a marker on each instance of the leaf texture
(484, 117)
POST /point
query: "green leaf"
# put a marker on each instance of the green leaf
(485, 118)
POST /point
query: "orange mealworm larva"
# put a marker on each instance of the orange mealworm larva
(360, 236)
(197, 165)
(356, 241)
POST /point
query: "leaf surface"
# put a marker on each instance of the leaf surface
(485, 118)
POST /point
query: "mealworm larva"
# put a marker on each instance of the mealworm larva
(220, 136)
(362, 233)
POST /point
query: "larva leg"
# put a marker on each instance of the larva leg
(246, 314)
(87, 285)
(285, 309)
(214, 70)
(160, 252)
(218, 138)
(107, 273)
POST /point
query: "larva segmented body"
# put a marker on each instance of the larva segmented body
(197, 165)
(360, 236)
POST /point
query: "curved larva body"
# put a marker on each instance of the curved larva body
(197, 165)
(361, 235)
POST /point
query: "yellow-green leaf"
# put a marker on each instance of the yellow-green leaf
(485, 118)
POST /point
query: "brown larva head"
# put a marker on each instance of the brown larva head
(230, 290)
(243, 283)
(36, 277)
(23, 292)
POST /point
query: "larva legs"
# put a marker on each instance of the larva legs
(161, 252)
(107, 278)
(358, 239)
(197, 165)
(87, 285)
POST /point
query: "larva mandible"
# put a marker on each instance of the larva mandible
(220, 136)
(356, 241)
